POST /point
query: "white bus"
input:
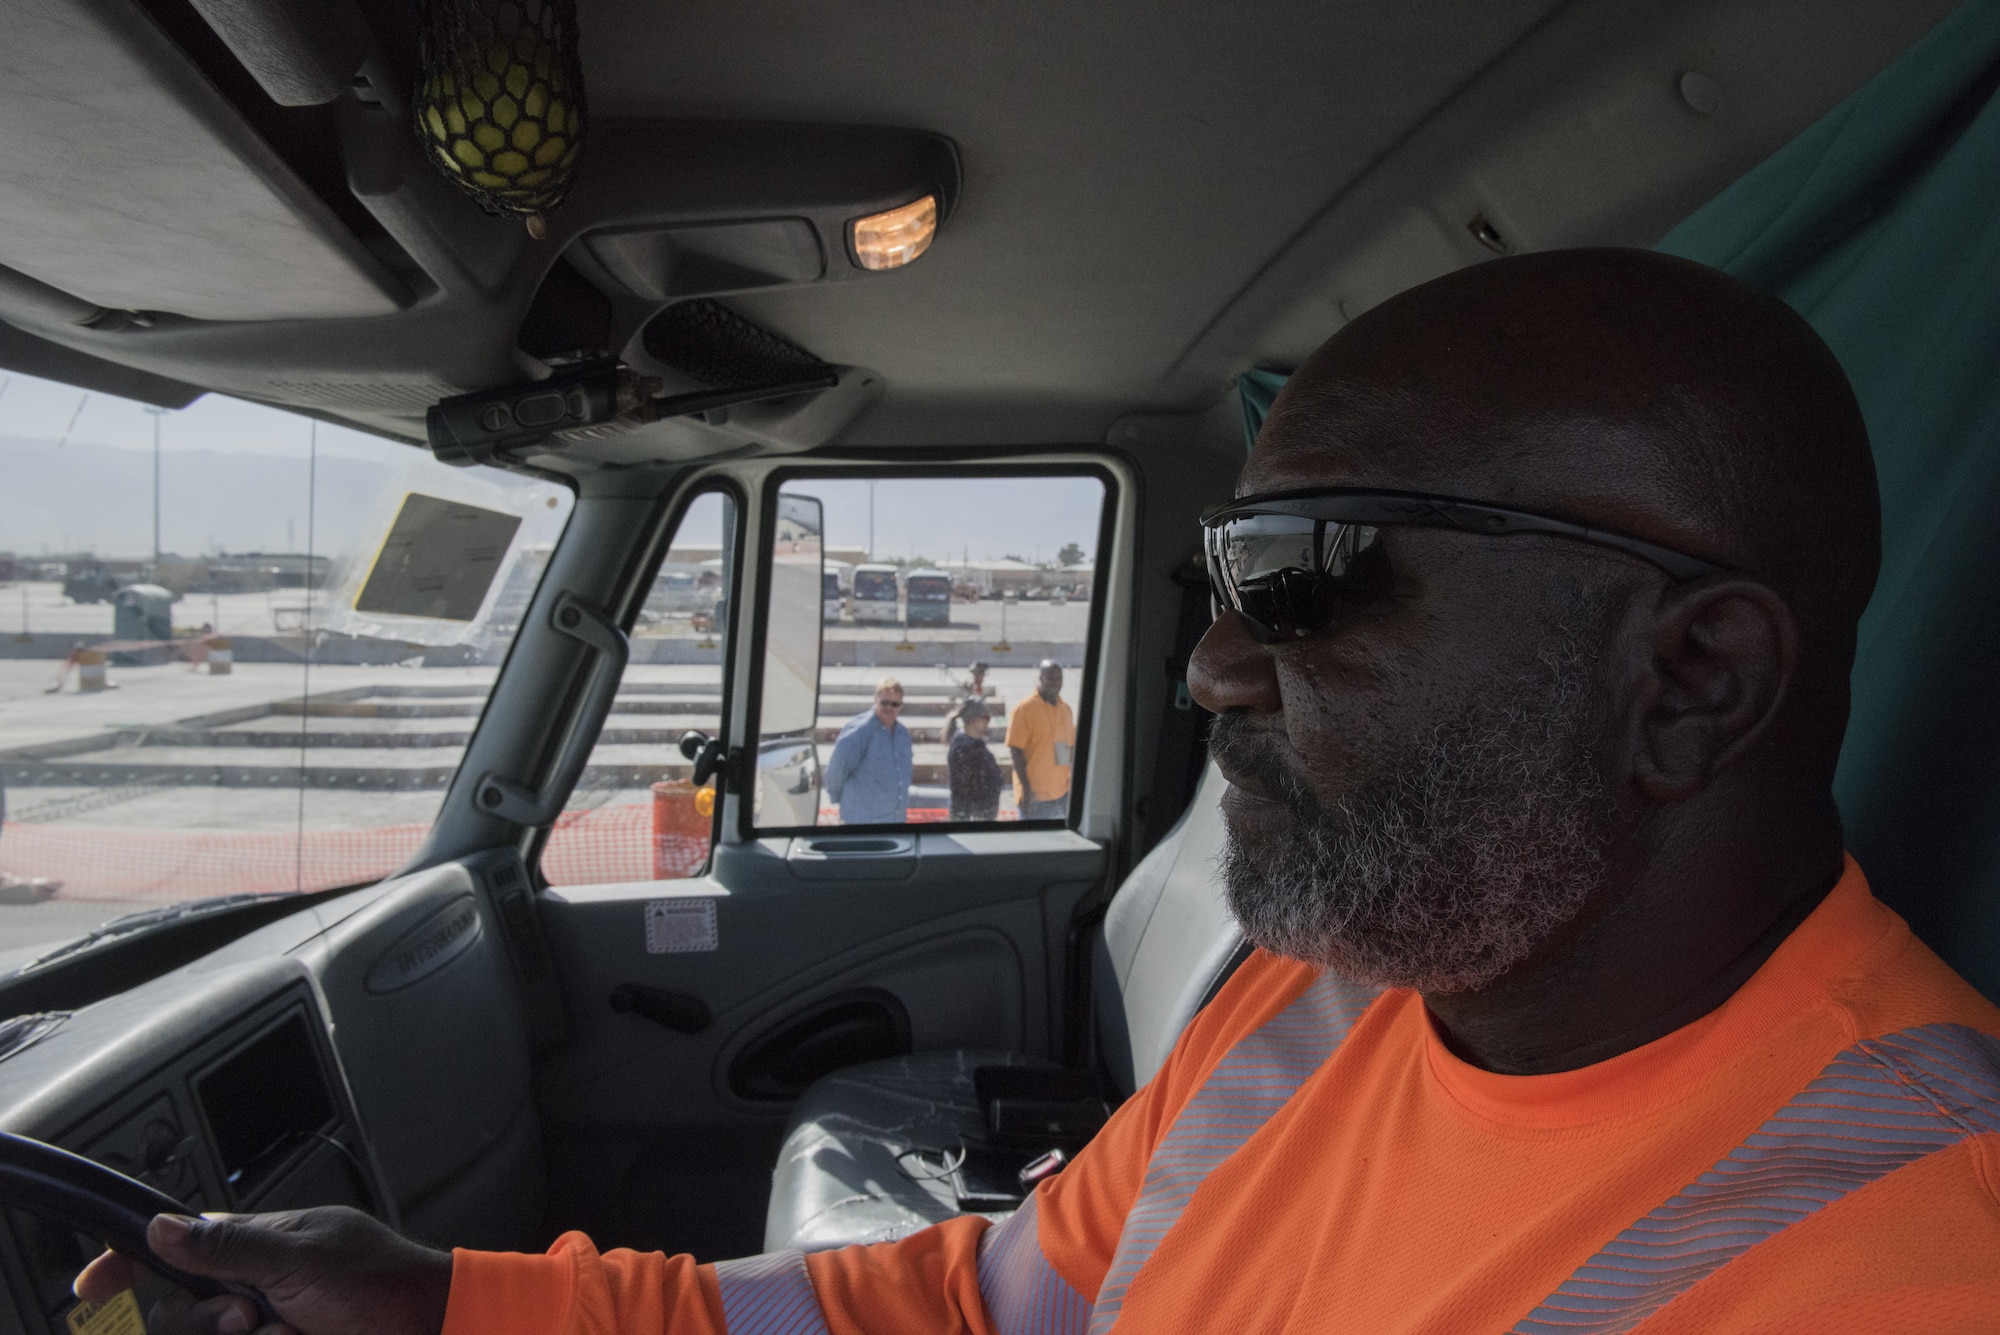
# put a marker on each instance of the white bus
(875, 593)
(835, 580)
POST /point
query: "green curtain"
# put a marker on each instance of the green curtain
(1881, 224)
(1257, 391)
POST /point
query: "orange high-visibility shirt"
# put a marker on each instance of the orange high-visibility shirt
(1046, 734)
(1819, 1154)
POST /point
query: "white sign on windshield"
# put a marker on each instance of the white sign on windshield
(438, 561)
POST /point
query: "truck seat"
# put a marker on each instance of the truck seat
(867, 1154)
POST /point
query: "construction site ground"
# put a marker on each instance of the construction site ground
(176, 784)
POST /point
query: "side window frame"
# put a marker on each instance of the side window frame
(747, 830)
(633, 592)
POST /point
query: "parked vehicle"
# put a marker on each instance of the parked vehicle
(875, 594)
(88, 582)
(927, 594)
(835, 582)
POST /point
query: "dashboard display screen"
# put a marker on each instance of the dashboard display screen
(265, 1103)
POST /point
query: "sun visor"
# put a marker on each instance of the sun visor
(127, 180)
(25, 353)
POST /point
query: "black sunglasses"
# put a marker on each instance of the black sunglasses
(1287, 558)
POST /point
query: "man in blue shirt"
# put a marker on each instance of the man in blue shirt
(869, 774)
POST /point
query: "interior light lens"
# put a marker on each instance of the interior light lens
(891, 240)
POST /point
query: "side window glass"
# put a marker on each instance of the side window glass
(639, 813)
(245, 649)
(954, 648)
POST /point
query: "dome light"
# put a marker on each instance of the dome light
(892, 239)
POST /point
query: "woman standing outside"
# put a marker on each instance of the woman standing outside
(975, 775)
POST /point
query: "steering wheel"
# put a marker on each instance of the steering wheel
(103, 1204)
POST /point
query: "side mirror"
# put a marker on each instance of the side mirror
(790, 698)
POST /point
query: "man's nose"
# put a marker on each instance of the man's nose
(1231, 672)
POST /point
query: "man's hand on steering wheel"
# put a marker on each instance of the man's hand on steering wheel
(327, 1271)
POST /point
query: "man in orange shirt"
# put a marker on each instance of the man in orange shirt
(1538, 605)
(1041, 734)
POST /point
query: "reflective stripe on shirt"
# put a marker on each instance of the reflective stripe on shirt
(1247, 1086)
(1882, 1104)
(1023, 1293)
(769, 1295)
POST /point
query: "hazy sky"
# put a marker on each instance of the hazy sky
(42, 409)
(942, 518)
(948, 518)
(234, 477)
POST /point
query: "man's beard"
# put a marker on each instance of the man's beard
(1448, 868)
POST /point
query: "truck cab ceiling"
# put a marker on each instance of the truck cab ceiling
(1247, 184)
(670, 224)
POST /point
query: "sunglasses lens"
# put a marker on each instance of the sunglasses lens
(1287, 575)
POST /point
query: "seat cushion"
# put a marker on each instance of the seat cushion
(862, 1160)
(864, 1157)
(1169, 941)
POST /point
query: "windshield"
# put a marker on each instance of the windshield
(244, 650)
(929, 589)
(875, 585)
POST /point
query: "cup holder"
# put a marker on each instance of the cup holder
(853, 857)
(850, 847)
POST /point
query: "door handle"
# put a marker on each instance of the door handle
(676, 1010)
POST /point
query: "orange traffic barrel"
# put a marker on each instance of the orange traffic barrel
(683, 817)
(90, 670)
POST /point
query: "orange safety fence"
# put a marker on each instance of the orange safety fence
(166, 866)
(629, 842)
(195, 649)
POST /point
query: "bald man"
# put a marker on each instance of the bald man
(1570, 1014)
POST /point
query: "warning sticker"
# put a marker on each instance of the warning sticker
(679, 926)
(113, 1316)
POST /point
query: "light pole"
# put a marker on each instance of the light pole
(157, 413)
(871, 519)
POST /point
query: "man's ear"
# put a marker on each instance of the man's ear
(1723, 651)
